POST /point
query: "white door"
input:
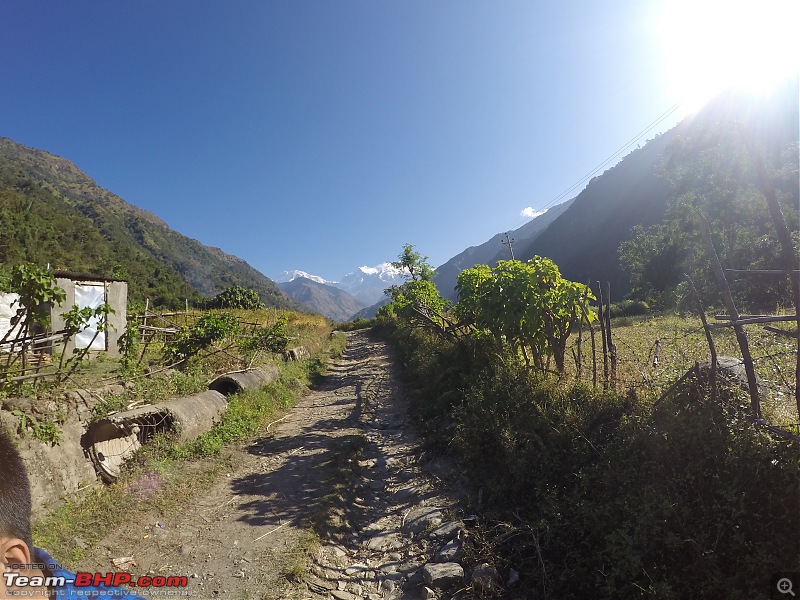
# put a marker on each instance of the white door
(90, 295)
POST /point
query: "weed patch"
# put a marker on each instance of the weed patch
(157, 478)
(593, 494)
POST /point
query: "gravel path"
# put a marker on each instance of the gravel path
(345, 458)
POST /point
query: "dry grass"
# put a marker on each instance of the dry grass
(682, 343)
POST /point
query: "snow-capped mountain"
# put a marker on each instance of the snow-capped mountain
(365, 283)
(368, 283)
(287, 276)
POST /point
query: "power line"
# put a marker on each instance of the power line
(510, 243)
(653, 124)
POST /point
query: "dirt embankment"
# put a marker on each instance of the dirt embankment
(344, 461)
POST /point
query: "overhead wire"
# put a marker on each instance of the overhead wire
(652, 125)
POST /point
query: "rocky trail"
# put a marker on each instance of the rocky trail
(346, 459)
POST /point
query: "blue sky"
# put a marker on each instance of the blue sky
(322, 135)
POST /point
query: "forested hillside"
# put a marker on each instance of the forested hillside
(703, 156)
(53, 213)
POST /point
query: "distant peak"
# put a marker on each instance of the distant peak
(287, 276)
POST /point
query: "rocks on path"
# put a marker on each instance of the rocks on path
(404, 540)
(396, 535)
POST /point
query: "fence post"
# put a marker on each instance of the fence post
(727, 298)
(711, 347)
(603, 334)
(611, 348)
(788, 253)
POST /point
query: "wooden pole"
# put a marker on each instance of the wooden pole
(594, 358)
(711, 347)
(727, 298)
(789, 257)
(603, 334)
(612, 349)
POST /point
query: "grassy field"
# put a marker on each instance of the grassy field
(683, 342)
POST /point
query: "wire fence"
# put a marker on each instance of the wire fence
(651, 353)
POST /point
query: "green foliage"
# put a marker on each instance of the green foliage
(609, 498)
(527, 305)
(37, 291)
(414, 295)
(415, 264)
(209, 328)
(107, 405)
(236, 296)
(711, 171)
(76, 320)
(128, 345)
(273, 339)
(629, 308)
(416, 301)
(44, 431)
(359, 323)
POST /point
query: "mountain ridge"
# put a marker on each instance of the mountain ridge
(321, 298)
(68, 220)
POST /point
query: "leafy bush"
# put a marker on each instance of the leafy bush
(355, 325)
(273, 339)
(629, 308)
(237, 297)
(209, 328)
(610, 498)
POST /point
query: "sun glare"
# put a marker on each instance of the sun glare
(711, 45)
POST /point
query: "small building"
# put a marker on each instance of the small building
(92, 291)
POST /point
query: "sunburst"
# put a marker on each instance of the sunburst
(711, 45)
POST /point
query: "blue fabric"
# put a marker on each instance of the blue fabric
(69, 591)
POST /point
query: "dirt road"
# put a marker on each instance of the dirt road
(346, 459)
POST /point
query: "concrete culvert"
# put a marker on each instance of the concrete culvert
(111, 441)
(233, 383)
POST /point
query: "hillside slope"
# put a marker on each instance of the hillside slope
(488, 252)
(323, 299)
(584, 241)
(52, 212)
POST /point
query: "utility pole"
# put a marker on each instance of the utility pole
(510, 243)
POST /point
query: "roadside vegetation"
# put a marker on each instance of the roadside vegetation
(621, 469)
(163, 355)
(590, 487)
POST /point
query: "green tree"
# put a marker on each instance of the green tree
(415, 264)
(236, 296)
(417, 301)
(713, 172)
(526, 306)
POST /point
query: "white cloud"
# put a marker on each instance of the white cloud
(531, 213)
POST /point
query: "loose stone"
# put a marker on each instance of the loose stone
(447, 531)
(420, 519)
(428, 594)
(450, 552)
(442, 575)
